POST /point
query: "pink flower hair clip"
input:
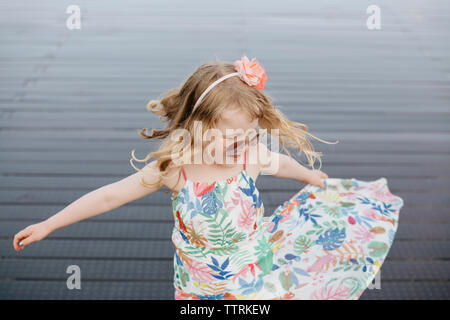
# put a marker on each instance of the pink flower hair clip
(250, 71)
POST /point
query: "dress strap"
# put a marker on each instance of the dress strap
(184, 173)
(245, 159)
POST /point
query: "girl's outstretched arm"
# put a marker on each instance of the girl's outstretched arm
(283, 166)
(96, 202)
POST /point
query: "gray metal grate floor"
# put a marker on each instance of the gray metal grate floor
(72, 100)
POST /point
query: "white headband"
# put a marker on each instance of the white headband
(248, 70)
(211, 86)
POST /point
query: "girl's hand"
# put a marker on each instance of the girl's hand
(315, 178)
(32, 233)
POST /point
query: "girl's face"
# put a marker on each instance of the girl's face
(238, 133)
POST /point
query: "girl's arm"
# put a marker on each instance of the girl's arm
(283, 166)
(96, 202)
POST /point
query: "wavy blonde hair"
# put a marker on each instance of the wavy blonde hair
(175, 108)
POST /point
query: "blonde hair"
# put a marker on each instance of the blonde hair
(175, 108)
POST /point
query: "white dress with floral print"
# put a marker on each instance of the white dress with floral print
(320, 244)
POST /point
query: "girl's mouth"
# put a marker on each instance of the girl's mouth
(234, 147)
(234, 150)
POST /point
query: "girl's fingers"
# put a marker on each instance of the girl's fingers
(21, 239)
(27, 241)
(321, 183)
(323, 174)
(318, 182)
(20, 243)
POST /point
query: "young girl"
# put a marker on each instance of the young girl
(328, 241)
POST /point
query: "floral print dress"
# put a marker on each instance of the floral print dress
(320, 244)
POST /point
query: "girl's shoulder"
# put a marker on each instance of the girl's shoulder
(268, 161)
(173, 179)
(169, 179)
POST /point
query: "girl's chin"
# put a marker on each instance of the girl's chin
(232, 156)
